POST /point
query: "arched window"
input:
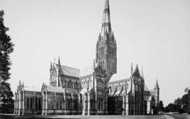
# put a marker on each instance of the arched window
(136, 87)
(70, 84)
(27, 102)
(76, 85)
(66, 84)
(110, 90)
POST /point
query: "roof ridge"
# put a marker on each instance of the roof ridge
(123, 79)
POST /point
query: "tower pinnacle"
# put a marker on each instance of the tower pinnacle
(157, 86)
(106, 23)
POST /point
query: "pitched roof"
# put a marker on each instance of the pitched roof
(117, 78)
(31, 88)
(54, 89)
(70, 71)
(136, 72)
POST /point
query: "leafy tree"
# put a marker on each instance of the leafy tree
(180, 105)
(6, 47)
(161, 106)
(171, 108)
(186, 102)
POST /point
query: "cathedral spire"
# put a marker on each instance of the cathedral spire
(59, 63)
(142, 74)
(131, 68)
(106, 48)
(157, 86)
(106, 23)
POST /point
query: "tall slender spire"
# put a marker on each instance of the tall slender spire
(106, 47)
(106, 23)
(59, 66)
(59, 61)
(131, 68)
(142, 73)
(51, 66)
(59, 73)
(157, 86)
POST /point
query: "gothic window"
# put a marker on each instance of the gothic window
(69, 84)
(111, 51)
(139, 81)
(102, 51)
(31, 102)
(110, 90)
(27, 102)
(135, 81)
(63, 83)
(36, 106)
(39, 102)
(136, 87)
(66, 84)
(76, 85)
(72, 84)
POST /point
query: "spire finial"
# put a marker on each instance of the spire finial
(106, 23)
(19, 82)
(107, 4)
(137, 68)
(51, 65)
(156, 81)
(131, 68)
(94, 64)
(1, 15)
(142, 71)
(157, 84)
(59, 63)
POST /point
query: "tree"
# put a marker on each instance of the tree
(171, 108)
(6, 47)
(161, 106)
(180, 105)
(186, 102)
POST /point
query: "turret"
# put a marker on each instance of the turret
(59, 73)
(131, 68)
(157, 86)
(53, 74)
(157, 92)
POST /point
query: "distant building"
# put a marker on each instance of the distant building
(101, 91)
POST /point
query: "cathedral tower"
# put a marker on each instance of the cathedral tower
(106, 48)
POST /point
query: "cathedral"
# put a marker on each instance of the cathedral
(101, 92)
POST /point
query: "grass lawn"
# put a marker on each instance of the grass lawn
(80, 117)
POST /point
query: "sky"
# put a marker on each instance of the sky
(155, 34)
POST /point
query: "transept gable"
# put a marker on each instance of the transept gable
(136, 73)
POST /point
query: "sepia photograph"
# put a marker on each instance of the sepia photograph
(94, 59)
